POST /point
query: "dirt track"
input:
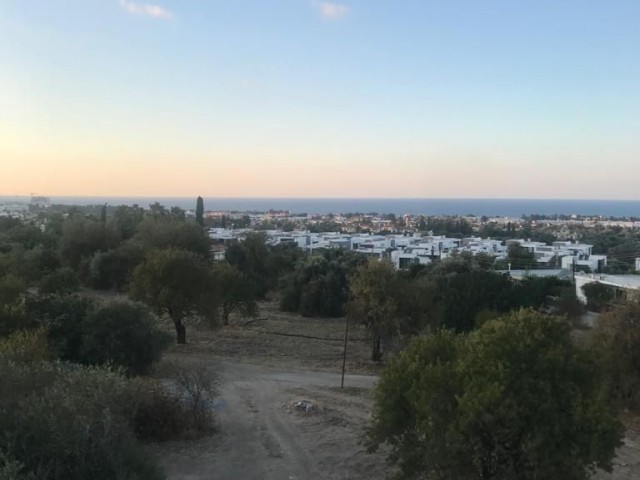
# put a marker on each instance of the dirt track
(262, 437)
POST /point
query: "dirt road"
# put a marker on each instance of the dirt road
(261, 436)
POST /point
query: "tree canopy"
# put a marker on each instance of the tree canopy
(176, 283)
(514, 399)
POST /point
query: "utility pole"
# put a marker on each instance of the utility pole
(346, 338)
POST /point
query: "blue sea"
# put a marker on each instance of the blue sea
(427, 206)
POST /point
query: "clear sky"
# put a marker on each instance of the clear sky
(306, 98)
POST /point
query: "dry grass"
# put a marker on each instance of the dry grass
(284, 339)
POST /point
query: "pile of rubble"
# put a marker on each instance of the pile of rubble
(304, 407)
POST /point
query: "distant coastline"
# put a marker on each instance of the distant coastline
(399, 206)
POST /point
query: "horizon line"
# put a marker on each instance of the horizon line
(324, 198)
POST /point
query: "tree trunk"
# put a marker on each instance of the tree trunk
(225, 315)
(181, 332)
(376, 354)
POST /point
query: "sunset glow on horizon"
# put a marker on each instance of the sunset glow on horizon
(302, 98)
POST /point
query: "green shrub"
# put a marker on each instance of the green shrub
(12, 292)
(111, 270)
(120, 333)
(64, 318)
(26, 346)
(65, 422)
(123, 334)
(515, 399)
(616, 341)
(11, 469)
(598, 295)
(63, 281)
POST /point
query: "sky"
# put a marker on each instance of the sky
(308, 98)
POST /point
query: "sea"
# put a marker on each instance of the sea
(514, 207)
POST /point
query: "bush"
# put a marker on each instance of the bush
(112, 269)
(63, 423)
(11, 469)
(514, 399)
(12, 292)
(120, 333)
(26, 347)
(63, 281)
(196, 383)
(156, 413)
(599, 295)
(64, 318)
(616, 339)
(123, 334)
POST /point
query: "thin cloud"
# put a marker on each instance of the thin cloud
(146, 9)
(332, 11)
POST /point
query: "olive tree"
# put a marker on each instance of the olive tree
(514, 399)
(176, 283)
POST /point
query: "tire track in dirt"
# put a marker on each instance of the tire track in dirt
(258, 437)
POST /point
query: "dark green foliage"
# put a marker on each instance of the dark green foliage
(514, 399)
(64, 319)
(166, 232)
(616, 340)
(618, 267)
(281, 261)
(250, 257)
(61, 424)
(626, 252)
(12, 289)
(568, 305)
(12, 294)
(236, 294)
(324, 226)
(63, 281)
(112, 270)
(496, 231)
(520, 258)
(200, 211)
(450, 227)
(176, 283)
(534, 292)
(11, 469)
(26, 346)
(126, 220)
(376, 292)
(599, 295)
(120, 333)
(123, 334)
(319, 284)
(25, 234)
(28, 265)
(463, 295)
(466, 287)
(82, 237)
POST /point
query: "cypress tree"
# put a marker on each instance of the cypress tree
(200, 211)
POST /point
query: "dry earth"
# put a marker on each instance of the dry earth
(267, 365)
